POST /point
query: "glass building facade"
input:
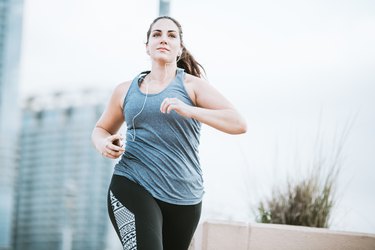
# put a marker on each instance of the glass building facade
(10, 45)
(63, 181)
(164, 6)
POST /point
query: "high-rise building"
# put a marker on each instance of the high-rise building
(63, 181)
(10, 45)
(164, 6)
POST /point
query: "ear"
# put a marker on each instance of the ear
(147, 50)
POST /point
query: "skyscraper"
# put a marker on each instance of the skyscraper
(164, 7)
(10, 44)
(63, 181)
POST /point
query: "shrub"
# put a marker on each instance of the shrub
(309, 201)
(306, 203)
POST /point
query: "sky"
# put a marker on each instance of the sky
(294, 69)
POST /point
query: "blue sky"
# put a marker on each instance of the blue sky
(285, 65)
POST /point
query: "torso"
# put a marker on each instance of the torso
(161, 152)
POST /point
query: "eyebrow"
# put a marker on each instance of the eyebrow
(168, 31)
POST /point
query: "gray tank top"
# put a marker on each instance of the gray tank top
(161, 152)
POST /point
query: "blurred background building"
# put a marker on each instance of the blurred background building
(164, 6)
(63, 181)
(10, 46)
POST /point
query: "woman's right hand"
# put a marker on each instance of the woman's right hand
(105, 135)
(112, 146)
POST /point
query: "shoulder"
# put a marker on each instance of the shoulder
(194, 80)
(191, 84)
(120, 91)
(196, 84)
(124, 86)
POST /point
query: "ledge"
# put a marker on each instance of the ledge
(221, 235)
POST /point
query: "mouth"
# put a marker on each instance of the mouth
(162, 49)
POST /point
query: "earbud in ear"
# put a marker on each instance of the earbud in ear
(180, 52)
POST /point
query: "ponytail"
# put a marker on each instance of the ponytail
(189, 64)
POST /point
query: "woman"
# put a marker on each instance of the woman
(155, 196)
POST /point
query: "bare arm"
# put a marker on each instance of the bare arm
(212, 108)
(105, 135)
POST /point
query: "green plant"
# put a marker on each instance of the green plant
(310, 200)
(306, 203)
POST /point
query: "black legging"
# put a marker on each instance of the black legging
(145, 223)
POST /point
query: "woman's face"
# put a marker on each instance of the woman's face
(164, 43)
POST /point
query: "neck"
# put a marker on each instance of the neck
(163, 72)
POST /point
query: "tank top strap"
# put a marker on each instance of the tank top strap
(137, 80)
(180, 75)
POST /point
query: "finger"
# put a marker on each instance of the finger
(171, 106)
(118, 149)
(110, 148)
(113, 154)
(118, 154)
(105, 154)
(164, 105)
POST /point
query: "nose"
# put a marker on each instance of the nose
(163, 39)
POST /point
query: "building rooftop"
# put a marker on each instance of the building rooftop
(66, 99)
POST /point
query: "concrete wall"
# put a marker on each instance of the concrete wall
(218, 235)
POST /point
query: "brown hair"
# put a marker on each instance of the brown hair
(186, 60)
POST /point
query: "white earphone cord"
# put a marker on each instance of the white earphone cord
(143, 106)
(144, 102)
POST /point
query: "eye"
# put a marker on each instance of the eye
(172, 35)
(156, 34)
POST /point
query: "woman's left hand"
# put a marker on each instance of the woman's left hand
(177, 105)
